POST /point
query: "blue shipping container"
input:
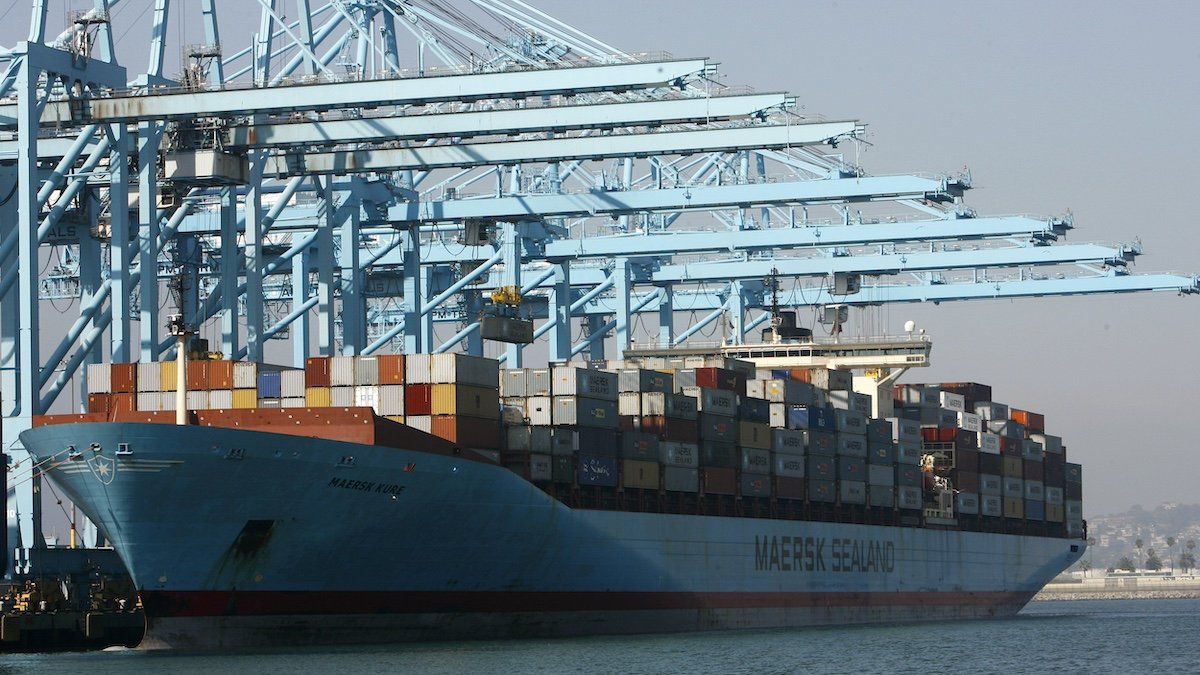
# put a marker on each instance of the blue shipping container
(594, 470)
(755, 410)
(269, 385)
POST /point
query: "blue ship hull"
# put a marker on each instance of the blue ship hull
(244, 538)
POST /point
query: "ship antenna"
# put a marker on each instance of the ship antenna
(776, 321)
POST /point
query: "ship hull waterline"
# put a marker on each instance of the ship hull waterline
(240, 538)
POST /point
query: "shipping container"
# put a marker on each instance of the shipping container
(851, 468)
(291, 382)
(990, 411)
(316, 372)
(341, 371)
(969, 421)
(1034, 491)
(822, 443)
(878, 474)
(366, 371)
(391, 369)
(909, 453)
(585, 412)
(671, 429)
(991, 484)
(460, 399)
(717, 454)
(637, 445)
(781, 391)
(389, 399)
(464, 369)
(1014, 488)
(681, 479)
(713, 401)
(639, 474)
(712, 378)
(538, 468)
(1035, 509)
(883, 496)
(879, 432)
(881, 453)
(168, 375)
(420, 422)
(1054, 495)
(789, 487)
(991, 505)
(852, 492)
(989, 463)
(563, 440)
(198, 400)
(539, 381)
(821, 491)
(595, 384)
(1050, 444)
(342, 397)
(755, 460)
(908, 476)
(989, 443)
(222, 399)
(1012, 467)
(717, 428)
(966, 481)
(149, 377)
(966, 503)
(245, 399)
(314, 397)
(418, 369)
(672, 405)
(787, 464)
(718, 481)
(755, 485)
(754, 435)
(300, 402)
(909, 498)
(562, 469)
(270, 383)
(220, 376)
(1054, 513)
(245, 375)
(850, 400)
(470, 432)
(755, 410)
(824, 378)
(528, 439)
(822, 468)
(952, 401)
(149, 401)
(1014, 507)
(595, 441)
(789, 440)
(851, 446)
(973, 393)
(849, 422)
(676, 454)
(905, 429)
(644, 380)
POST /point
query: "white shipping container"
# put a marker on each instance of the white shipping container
(514, 382)
(789, 465)
(197, 400)
(968, 421)
(989, 411)
(419, 422)
(573, 381)
(391, 399)
(904, 429)
(366, 371)
(851, 400)
(464, 369)
(673, 405)
(643, 380)
(714, 401)
(882, 475)
(149, 377)
(778, 415)
(291, 384)
(341, 371)
(218, 399)
(149, 401)
(966, 503)
(293, 402)
(245, 375)
(781, 391)
(629, 403)
(584, 411)
(368, 397)
(417, 369)
(99, 378)
(539, 410)
(789, 441)
(679, 454)
(538, 381)
(955, 402)
(341, 397)
(989, 443)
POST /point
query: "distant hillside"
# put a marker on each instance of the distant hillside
(1116, 535)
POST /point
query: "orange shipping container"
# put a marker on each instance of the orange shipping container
(220, 375)
(316, 371)
(124, 378)
(197, 376)
(122, 403)
(1032, 421)
(99, 403)
(391, 369)
(469, 432)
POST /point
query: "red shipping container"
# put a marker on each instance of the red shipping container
(1035, 423)
(469, 432)
(1033, 469)
(965, 481)
(122, 403)
(418, 399)
(938, 434)
(715, 481)
(720, 378)
(124, 378)
(967, 460)
(220, 375)
(391, 369)
(198, 375)
(629, 423)
(670, 429)
(316, 372)
(787, 487)
(99, 404)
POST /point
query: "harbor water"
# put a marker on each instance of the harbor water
(1132, 636)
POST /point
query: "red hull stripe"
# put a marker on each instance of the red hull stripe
(259, 603)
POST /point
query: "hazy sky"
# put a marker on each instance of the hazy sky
(1052, 105)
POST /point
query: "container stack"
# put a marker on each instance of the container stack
(211, 385)
(1005, 469)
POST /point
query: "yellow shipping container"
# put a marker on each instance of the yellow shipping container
(317, 397)
(245, 399)
(465, 400)
(166, 376)
(396, 418)
(640, 475)
(754, 435)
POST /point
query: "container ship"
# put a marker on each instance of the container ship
(392, 498)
